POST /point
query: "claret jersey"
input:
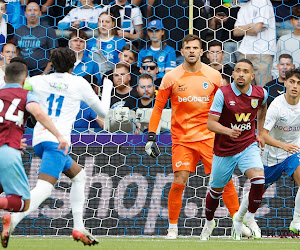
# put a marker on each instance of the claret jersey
(191, 98)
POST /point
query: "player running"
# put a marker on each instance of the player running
(60, 95)
(232, 117)
(191, 87)
(15, 106)
(281, 134)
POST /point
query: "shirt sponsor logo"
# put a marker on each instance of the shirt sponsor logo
(193, 99)
(60, 86)
(180, 163)
(287, 128)
(242, 116)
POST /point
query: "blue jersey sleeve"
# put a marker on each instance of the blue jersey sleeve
(218, 103)
(31, 97)
(266, 96)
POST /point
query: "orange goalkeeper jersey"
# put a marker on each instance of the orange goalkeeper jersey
(191, 97)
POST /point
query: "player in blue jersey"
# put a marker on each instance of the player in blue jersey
(282, 137)
(15, 105)
(60, 94)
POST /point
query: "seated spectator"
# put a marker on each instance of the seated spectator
(8, 51)
(47, 9)
(256, 22)
(6, 30)
(85, 16)
(128, 56)
(149, 66)
(157, 47)
(84, 64)
(215, 55)
(15, 13)
(108, 42)
(289, 44)
(129, 19)
(276, 86)
(146, 94)
(35, 41)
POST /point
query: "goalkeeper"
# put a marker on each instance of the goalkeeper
(60, 95)
(282, 136)
(191, 87)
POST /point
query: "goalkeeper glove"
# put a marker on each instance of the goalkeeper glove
(151, 147)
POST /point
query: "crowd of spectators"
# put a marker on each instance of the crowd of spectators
(137, 42)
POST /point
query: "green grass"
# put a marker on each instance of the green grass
(32, 243)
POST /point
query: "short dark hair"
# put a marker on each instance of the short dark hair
(244, 60)
(215, 43)
(133, 49)
(146, 76)
(121, 65)
(148, 59)
(63, 59)
(287, 56)
(292, 72)
(191, 37)
(296, 12)
(79, 33)
(19, 59)
(15, 72)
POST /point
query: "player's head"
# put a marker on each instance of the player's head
(149, 66)
(292, 83)
(129, 54)
(191, 48)
(285, 64)
(77, 41)
(121, 75)
(146, 88)
(296, 16)
(15, 72)
(243, 73)
(9, 51)
(20, 60)
(63, 59)
(215, 53)
(33, 13)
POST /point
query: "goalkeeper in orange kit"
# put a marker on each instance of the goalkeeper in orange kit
(191, 87)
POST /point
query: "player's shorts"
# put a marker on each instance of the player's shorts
(289, 165)
(223, 167)
(12, 174)
(54, 162)
(185, 157)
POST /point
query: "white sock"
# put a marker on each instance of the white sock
(173, 226)
(210, 222)
(40, 193)
(243, 207)
(297, 206)
(249, 216)
(77, 199)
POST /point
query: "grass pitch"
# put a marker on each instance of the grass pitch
(45, 243)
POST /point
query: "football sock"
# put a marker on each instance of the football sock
(77, 199)
(175, 202)
(212, 202)
(12, 203)
(230, 198)
(173, 226)
(40, 193)
(244, 206)
(297, 206)
(256, 193)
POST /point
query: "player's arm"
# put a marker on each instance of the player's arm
(35, 109)
(213, 123)
(288, 147)
(261, 115)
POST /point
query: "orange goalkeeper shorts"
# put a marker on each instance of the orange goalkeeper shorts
(186, 156)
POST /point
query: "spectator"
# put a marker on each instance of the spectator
(85, 16)
(8, 52)
(35, 42)
(157, 47)
(6, 30)
(149, 66)
(215, 55)
(15, 13)
(84, 64)
(146, 94)
(289, 44)
(129, 19)
(47, 9)
(108, 42)
(128, 56)
(256, 22)
(223, 24)
(276, 86)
